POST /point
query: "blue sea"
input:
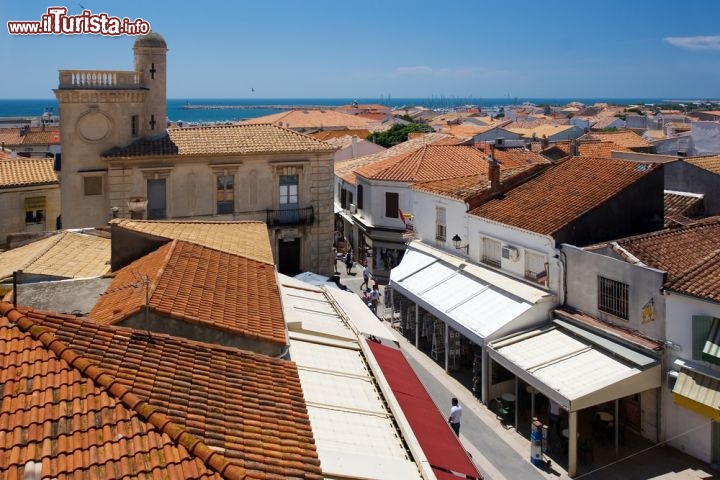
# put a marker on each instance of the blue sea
(234, 109)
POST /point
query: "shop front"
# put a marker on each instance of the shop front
(451, 309)
(587, 388)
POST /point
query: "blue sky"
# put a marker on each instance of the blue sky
(324, 49)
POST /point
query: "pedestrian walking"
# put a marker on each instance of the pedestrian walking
(348, 261)
(455, 415)
(374, 298)
(335, 260)
(366, 277)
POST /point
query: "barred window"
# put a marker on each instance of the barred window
(440, 226)
(613, 297)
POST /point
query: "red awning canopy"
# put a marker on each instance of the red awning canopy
(440, 445)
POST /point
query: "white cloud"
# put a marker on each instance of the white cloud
(698, 42)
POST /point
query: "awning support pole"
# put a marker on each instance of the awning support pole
(517, 402)
(617, 429)
(417, 326)
(447, 347)
(572, 443)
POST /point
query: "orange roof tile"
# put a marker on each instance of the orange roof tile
(54, 414)
(625, 138)
(330, 134)
(591, 148)
(199, 285)
(577, 184)
(464, 188)
(431, 162)
(346, 169)
(20, 172)
(10, 136)
(681, 204)
(248, 239)
(110, 402)
(701, 280)
(42, 137)
(439, 162)
(66, 254)
(677, 250)
(711, 164)
(312, 118)
(222, 140)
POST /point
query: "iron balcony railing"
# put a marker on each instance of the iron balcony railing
(290, 217)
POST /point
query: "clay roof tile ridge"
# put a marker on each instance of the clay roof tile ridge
(159, 420)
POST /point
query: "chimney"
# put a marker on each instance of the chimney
(574, 151)
(494, 173)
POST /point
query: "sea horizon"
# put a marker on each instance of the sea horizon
(238, 109)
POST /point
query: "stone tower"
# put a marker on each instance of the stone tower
(151, 63)
(100, 110)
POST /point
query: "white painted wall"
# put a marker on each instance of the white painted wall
(424, 208)
(645, 283)
(685, 430)
(524, 241)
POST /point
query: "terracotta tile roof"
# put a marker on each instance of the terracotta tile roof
(202, 286)
(464, 188)
(346, 169)
(626, 138)
(591, 148)
(110, 402)
(222, 140)
(711, 164)
(513, 157)
(702, 280)
(247, 239)
(42, 137)
(67, 254)
(313, 118)
(21, 172)
(430, 162)
(681, 204)
(677, 250)
(329, 134)
(10, 136)
(578, 184)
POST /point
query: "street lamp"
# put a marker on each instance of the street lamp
(457, 241)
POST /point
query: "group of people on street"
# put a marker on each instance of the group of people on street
(370, 296)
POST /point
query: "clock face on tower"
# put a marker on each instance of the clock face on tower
(94, 125)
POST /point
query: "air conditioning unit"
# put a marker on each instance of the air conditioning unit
(353, 208)
(510, 253)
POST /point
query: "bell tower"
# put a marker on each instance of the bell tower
(100, 110)
(151, 65)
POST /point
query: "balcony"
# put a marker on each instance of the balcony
(290, 217)
(99, 79)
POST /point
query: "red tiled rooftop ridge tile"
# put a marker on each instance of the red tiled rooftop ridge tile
(56, 405)
(240, 413)
(552, 199)
(199, 285)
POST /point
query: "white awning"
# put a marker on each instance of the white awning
(473, 300)
(575, 367)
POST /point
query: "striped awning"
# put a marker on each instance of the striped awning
(711, 350)
(698, 392)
